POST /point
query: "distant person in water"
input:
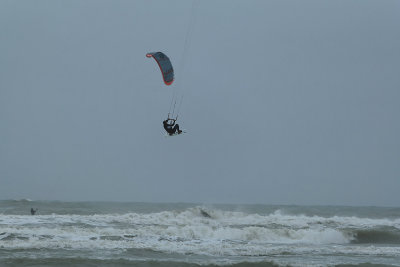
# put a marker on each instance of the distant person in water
(33, 211)
(204, 213)
(171, 127)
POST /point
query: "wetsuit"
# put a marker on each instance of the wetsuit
(171, 128)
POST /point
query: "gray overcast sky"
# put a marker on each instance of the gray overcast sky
(285, 102)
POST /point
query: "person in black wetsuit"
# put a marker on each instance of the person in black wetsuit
(171, 127)
(33, 211)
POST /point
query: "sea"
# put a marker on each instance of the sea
(184, 235)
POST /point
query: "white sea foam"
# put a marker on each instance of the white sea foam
(225, 233)
(23, 200)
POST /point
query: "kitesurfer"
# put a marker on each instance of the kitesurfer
(205, 213)
(171, 127)
(33, 211)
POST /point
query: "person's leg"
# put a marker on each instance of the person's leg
(176, 128)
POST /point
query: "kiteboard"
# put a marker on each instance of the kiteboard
(175, 134)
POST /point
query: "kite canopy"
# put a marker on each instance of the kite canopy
(165, 66)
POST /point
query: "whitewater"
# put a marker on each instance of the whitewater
(153, 234)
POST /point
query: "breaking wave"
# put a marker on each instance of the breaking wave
(207, 225)
(199, 232)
